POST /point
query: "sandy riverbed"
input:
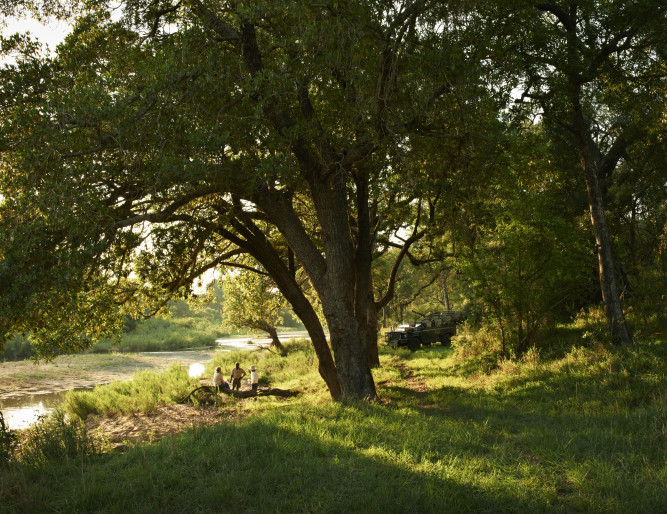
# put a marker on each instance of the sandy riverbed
(74, 371)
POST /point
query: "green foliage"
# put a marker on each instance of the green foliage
(529, 267)
(141, 394)
(56, 439)
(156, 147)
(17, 348)
(251, 301)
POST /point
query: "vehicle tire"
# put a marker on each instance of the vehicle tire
(446, 341)
(414, 344)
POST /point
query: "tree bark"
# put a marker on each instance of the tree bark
(592, 162)
(606, 265)
(257, 245)
(336, 288)
(445, 295)
(275, 340)
(364, 303)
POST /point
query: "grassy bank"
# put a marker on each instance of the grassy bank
(585, 431)
(165, 334)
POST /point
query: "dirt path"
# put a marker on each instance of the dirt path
(69, 372)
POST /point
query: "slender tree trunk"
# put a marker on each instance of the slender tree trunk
(326, 365)
(372, 335)
(606, 265)
(304, 310)
(445, 296)
(261, 250)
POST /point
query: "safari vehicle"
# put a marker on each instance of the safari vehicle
(436, 327)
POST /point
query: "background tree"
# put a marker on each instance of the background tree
(253, 301)
(595, 72)
(531, 263)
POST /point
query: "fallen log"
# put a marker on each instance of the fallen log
(268, 391)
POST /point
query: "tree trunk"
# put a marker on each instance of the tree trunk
(606, 265)
(257, 245)
(364, 303)
(349, 352)
(304, 310)
(372, 336)
(326, 365)
(275, 340)
(342, 288)
(445, 296)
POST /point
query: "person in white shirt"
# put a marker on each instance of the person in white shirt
(254, 378)
(219, 381)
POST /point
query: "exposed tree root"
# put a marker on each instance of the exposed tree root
(269, 391)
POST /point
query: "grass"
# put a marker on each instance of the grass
(143, 393)
(583, 431)
(165, 334)
(169, 334)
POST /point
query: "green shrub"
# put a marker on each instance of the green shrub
(16, 349)
(143, 393)
(56, 438)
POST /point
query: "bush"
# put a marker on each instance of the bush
(17, 348)
(56, 439)
(143, 393)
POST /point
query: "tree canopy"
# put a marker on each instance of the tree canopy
(326, 140)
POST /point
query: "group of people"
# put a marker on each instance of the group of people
(238, 373)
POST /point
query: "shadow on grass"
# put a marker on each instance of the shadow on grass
(595, 440)
(282, 464)
(581, 440)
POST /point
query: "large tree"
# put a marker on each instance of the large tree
(155, 145)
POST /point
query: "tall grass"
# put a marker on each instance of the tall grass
(584, 431)
(143, 393)
(165, 334)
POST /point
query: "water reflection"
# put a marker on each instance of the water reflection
(250, 343)
(24, 411)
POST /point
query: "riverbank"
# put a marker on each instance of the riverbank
(66, 372)
(580, 432)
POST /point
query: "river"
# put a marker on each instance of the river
(20, 410)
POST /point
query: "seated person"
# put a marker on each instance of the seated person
(219, 381)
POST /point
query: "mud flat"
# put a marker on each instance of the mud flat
(27, 378)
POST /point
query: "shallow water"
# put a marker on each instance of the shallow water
(25, 410)
(251, 343)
